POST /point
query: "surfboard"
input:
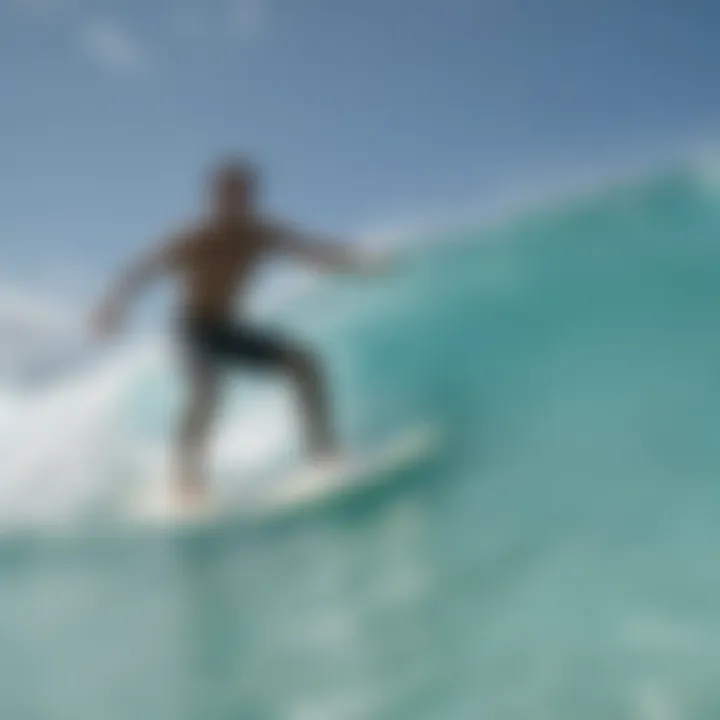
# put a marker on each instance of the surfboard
(302, 487)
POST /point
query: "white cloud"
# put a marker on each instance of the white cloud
(109, 44)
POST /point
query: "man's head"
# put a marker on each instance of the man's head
(233, 187)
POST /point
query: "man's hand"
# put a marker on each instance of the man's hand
(329, 255)
(375, 262)
(106, 320)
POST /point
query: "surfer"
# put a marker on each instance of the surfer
(214, 261)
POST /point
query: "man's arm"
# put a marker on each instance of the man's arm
(109, 314)
(323, 253)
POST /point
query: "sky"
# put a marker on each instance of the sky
(359, 112)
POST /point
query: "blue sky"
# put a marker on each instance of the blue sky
(360, 112)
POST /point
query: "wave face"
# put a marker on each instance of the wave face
(556, 561)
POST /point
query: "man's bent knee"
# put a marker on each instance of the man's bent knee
(303, 365)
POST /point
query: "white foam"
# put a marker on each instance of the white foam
(73, 446)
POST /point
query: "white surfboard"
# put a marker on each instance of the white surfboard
(301, 487)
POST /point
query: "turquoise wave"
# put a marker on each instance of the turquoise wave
(555, 561)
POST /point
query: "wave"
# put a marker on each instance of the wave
(572, 339)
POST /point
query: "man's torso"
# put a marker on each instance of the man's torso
(217, 266)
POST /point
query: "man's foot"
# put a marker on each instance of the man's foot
(326, 464)
(319, 470)
(190, 495)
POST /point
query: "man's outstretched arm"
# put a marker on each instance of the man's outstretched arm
(326, 254)
(109, 314)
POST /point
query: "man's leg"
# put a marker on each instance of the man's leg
(305, 372)
(267, 351)
(193, 430)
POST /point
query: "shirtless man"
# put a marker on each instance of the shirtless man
(214, 262)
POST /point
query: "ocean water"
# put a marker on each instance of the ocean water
(555, 560)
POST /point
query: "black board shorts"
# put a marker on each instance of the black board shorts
(213, 342)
